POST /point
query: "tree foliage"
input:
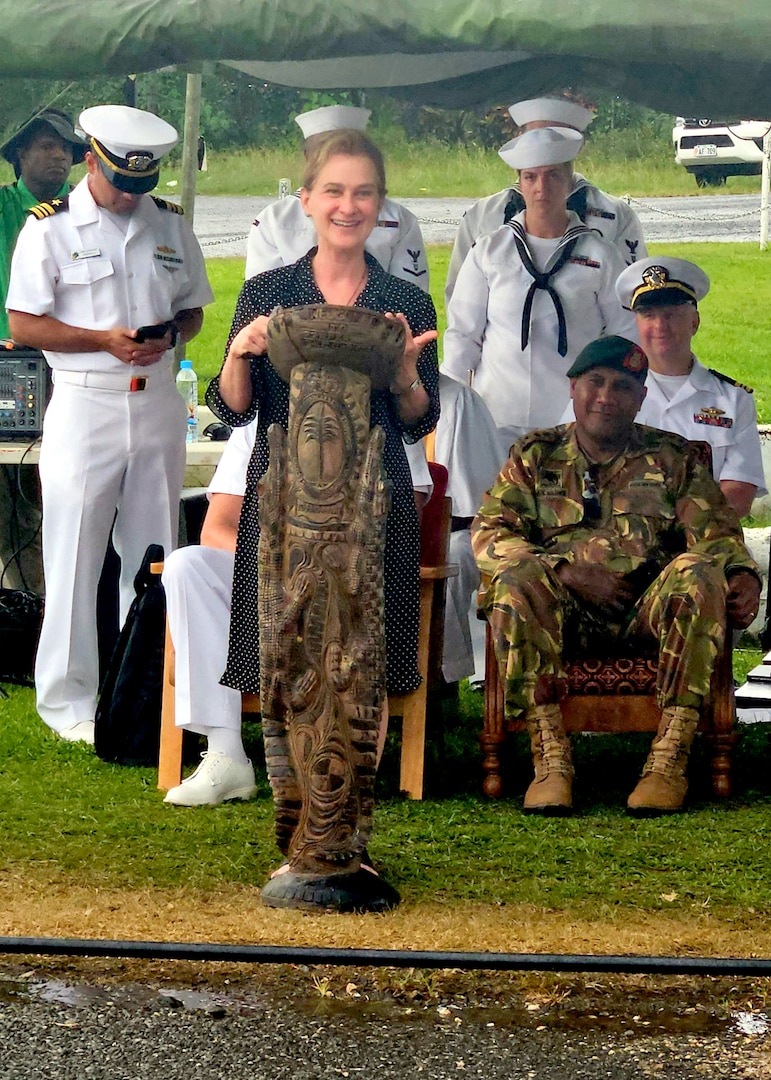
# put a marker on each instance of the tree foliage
(240, 111)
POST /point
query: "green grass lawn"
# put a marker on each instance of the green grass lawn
(732, 337)
(416, 171)
(67, 816)
(71, 819)
(635, 165)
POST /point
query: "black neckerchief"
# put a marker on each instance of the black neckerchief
(543, 280)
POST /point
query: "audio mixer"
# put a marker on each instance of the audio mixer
(24, 390)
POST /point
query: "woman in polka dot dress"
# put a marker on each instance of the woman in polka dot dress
(343, 192)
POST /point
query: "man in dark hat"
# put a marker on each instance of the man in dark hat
(601, 530)
(42, 152)
(104, 282)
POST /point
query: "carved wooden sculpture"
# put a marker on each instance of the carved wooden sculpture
(323, 507)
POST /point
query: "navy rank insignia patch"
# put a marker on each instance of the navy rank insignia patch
(730, 381)
(164, 204)
(48, 209)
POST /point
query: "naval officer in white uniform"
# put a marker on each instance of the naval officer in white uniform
(683, 395)
(88, 272)
(611, 217)
(282, 233)
(532, 294)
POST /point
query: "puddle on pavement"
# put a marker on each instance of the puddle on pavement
(656, 1018)
(122, 996)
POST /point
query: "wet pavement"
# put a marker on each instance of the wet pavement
(318, 1023)
(222, 222)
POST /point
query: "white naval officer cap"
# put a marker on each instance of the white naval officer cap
(551, 110)
(332, 118)
(128, 144)
(542, 146)
(660, 280)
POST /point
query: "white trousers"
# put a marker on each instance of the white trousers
(464, 634)
(198, 583)
(106, 457)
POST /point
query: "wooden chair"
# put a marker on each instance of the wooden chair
(616, 695)
(613, 695)
(434, 571)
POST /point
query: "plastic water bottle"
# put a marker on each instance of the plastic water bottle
(187, 384)
(284, 187)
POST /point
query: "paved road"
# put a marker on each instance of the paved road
(222, 223)
(107, 1030)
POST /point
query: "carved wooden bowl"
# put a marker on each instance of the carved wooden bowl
(352, 337)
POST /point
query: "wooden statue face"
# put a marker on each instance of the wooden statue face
(329, 424)
(321, 447)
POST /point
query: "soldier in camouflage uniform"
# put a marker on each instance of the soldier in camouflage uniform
(601, 532)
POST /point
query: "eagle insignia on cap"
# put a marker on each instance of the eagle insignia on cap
(139, 162)
(656, 277)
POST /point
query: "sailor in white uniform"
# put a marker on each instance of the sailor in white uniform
(88, 272)
(198, 583)
(466, 443)
(683, 395)
(611, 217)
(532, 294)
(282, 233)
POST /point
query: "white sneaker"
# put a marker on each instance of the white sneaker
(82, 732)
(217, 779)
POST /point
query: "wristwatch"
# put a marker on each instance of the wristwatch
(413, 386)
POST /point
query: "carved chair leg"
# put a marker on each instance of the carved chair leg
(721, 746)
(721, 738)
(494, 728)
(492, 784)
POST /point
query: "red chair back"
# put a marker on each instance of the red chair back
(433, 539)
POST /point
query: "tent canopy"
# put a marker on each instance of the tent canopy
(694, 57)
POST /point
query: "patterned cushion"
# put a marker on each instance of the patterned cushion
(621, 675)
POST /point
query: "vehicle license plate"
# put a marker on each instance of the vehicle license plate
(707, 150)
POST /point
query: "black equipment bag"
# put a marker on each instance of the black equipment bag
(128, 716)
(21, 614)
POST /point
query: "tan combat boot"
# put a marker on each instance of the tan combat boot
(663, 785)
(552, 790)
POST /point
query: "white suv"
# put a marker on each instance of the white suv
(715, 149)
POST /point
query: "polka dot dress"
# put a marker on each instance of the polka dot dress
(291, 286)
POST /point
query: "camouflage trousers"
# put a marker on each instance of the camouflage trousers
(536, 623)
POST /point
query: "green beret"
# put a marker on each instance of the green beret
(618, 353)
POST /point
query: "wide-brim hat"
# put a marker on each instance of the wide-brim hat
(551, 110)
(128, 144)
(661, 280)
(54, 118)
(542, 146)
(332, 118)
(615, 352)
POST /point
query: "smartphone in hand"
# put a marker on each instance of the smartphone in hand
(157, 330)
